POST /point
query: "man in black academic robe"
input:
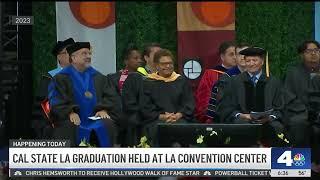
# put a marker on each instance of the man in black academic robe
(79, 93)
(217, 88)
(167, 97)
(298, 78)
(127, 114)
(41, 122)
(302, 80)
(132, 94)
(126, 84)
(254, 91)
(298, 83)
(210, 77)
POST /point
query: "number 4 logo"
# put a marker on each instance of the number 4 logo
(285, 158)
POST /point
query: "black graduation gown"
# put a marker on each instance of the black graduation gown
(314, 117)
(129, 117)
(132, 93)
(131, 98)
(160, 97)
(299, 82)
(216, 95)
(112, 86)
(240, 96)
(40, 123)
(64, 128)
(295, 118)
(224, 78)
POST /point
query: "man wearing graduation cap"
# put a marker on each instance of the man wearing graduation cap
(79, 98)
(40, 117)
(254, 91)
(60, 51)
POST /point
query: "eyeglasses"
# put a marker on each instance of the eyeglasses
(309, 51)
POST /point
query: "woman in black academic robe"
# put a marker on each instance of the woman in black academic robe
(167, 97)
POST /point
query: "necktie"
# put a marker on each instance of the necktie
(253, 80)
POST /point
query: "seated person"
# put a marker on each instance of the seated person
(148, 66)
(303, 81)
(148, 54)
(298, 77)
(79, 93)
(41, 122)
(210, 77)
(253, 91)
(167, 96)
(216, 92)
(132, 60)
(126, 84)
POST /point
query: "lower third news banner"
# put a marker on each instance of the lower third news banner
(42, 161)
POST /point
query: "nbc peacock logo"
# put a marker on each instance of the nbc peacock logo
(298, 159)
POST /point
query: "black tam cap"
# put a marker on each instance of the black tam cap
(76, 46)
(253, 51)
(61, 45)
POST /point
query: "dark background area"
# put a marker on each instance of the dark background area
(16, 73)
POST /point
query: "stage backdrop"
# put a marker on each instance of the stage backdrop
(277, 26)
(202, 27)
(93, 22)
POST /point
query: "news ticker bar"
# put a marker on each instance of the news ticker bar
(139, 173)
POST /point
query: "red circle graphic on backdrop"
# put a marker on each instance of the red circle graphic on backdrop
(94, 14)
(215, 14)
